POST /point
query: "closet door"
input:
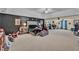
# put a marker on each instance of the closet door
(64, 24)
(61, 24)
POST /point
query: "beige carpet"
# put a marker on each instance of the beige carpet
(57, 40)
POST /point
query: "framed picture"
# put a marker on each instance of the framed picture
(17, 21)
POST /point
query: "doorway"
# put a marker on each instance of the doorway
(63, 24)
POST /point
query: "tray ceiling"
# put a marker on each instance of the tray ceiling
(39, 12)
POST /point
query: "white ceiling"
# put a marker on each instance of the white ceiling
(51, 10)
(38, 12)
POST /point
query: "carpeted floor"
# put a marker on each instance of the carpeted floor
(57, 40)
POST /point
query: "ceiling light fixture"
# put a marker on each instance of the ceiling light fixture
(46, 10)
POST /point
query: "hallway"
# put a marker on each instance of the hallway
(57, 40)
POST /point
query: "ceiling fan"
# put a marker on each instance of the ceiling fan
(3, 9)
(46, 10)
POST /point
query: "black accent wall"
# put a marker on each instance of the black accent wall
(7, 21)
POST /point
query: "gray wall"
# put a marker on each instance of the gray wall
(1, 19)
(8, 23)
